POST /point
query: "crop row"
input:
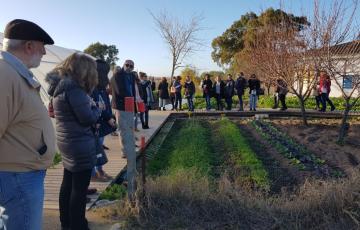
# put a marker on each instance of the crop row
(298, 154)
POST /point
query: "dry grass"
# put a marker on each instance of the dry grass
(190, 203)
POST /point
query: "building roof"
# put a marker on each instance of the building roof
(347, 48)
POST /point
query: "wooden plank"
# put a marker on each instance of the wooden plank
(116, 163)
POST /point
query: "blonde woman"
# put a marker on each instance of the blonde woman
(71, 83)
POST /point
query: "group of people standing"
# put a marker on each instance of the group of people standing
(220, 90)
(79, 88)
(174, 93)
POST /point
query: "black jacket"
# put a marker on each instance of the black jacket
(118, 88)
(189, 89)
(240, 85)
(254, 84)
(222, 89)
(229, 88)
(75, 118)
(163, 90)
(207, 87)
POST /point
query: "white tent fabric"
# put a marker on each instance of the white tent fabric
(54, 55)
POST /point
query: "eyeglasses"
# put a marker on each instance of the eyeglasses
(128, 65)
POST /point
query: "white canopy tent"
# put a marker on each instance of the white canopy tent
(54, 55)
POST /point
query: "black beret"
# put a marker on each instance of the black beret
(25, 30)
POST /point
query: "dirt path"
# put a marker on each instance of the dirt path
(96, 222)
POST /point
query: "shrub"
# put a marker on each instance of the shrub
(57, 159)
(113, 192)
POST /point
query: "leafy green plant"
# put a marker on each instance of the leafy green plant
(241, 153)
(113, 192)
(57, 159)
(187, 148)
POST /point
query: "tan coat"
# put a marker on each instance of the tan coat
(25, 127)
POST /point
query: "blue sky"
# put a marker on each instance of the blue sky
(128, 25)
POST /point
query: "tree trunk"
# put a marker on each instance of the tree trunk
(268, 89)
(344, 125)
(303, 112)
(172, 72)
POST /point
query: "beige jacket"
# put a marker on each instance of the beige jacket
(27, 136)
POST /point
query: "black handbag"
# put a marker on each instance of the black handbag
(106, 129)
(101, 157)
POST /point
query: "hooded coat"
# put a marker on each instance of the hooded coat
(75, 117)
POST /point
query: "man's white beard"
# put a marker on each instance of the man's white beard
(35, 60)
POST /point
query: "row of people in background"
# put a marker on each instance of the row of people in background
(227, 89)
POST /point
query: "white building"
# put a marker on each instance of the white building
(346, 59)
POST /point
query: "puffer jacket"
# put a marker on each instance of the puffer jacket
(75, 117)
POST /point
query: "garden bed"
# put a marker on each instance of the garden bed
(320, 138)
(205, 173)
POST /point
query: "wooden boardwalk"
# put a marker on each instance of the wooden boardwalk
(113, 167)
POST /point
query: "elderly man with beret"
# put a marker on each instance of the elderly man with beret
(27, 137)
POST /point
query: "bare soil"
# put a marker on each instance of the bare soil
(320, 138)
(284, 175)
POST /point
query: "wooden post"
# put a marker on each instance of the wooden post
(143, 162)
(130, 148)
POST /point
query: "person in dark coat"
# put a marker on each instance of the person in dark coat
(147, 97)
(325, 87)
(153, 84)
(240, 86)
(123, 85)
(163, 93)
(207, 88)
(178, 98)
(218, 92)
(189, 92)
(254, 87)
(282, 90)
(71, 84)
(229, 92)
(106, 120)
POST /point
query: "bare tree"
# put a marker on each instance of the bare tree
(336, 34)
(280, 52)
(181, 37)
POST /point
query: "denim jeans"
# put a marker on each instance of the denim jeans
(162, 102)
(190, 101)
(178, 100)
(253, 100)
(22, 196)
(100, 167)
(207, 99)
(325, 98)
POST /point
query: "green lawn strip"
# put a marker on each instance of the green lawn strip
(241, 154)
(186, 148)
